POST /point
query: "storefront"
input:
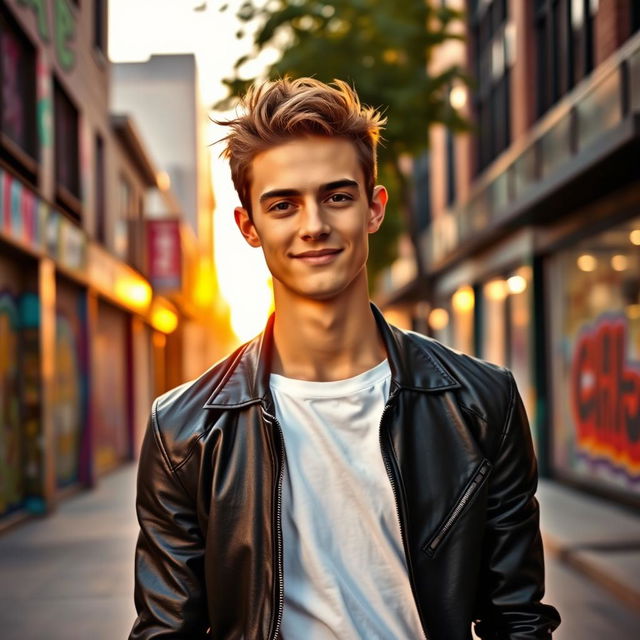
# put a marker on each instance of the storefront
(20, 428)
(112, 394)
(594, 289)
(70, 396)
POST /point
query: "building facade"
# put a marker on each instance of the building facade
(84, 336)
(533, 252)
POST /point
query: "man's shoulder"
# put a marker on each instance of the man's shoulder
(481, 386)
(180, 414)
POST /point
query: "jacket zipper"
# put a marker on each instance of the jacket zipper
(392, 480)
(279, 559)
(474, 485)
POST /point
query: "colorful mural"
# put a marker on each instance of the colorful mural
(69, 398)
(64, 27)
(605, 394)
(11, 488)
(31, 401)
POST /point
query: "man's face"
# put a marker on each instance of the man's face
(311, 216)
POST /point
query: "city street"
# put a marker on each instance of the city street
(70, 576)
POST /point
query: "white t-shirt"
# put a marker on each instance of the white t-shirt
(345, 573)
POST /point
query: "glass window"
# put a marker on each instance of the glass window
(17, 82)
(595, 340)
(66, 150)
(565, 47)
(491, 42)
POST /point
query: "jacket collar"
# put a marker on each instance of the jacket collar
(246, 378)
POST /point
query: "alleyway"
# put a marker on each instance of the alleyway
(70, 576)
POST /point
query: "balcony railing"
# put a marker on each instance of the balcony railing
(582, 124)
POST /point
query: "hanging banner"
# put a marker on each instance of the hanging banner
(164, 254)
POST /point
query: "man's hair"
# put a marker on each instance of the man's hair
(279, 111)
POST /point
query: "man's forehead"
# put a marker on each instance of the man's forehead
(305, 163)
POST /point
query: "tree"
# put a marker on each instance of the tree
(382, 47)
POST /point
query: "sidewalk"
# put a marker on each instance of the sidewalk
(70, 575)
(593, 536)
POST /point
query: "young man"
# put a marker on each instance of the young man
(335, 478)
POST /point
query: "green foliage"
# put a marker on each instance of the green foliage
(382, 48)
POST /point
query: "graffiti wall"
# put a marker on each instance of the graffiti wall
(70, 387)
(11, 488)
(20, 399)
(596, 361)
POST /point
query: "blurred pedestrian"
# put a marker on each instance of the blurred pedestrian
(336, 477)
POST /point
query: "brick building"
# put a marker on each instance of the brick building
(531, 243)
(85, 337)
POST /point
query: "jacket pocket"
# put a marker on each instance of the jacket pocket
(478, 478)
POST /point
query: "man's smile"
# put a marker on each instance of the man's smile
(318, 256)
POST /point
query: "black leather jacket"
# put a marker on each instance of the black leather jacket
(457, 448)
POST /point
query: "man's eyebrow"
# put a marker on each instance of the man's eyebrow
(287, 193)
(279, 193)
(338, 184)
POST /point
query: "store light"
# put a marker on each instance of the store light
(133, 292)
(516, 284)
(463, 300)
(164, 320)
(634, 237)
(619, 262)
(587, 262)
(458, 97)
(438, 319)
(496, 290)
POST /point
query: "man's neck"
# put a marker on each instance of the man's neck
(326, 340)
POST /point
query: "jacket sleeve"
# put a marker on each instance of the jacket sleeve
(169, 583)
(509, 606)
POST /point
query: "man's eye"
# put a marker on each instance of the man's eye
(339, 197)
(280, 206)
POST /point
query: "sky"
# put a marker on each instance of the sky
(140, 28)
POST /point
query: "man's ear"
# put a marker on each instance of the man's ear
(377, 208)
(246, 226)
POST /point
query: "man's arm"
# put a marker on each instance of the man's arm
(512, 581)
(169, 582)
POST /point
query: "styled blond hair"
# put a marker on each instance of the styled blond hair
(279, 111)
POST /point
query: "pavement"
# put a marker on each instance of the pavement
(594, 536)
(69, 575)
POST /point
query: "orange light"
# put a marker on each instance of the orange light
(463, 299)
(134, 292)
(164, 319)
(496, 290)
(438, 319)
(587, 262)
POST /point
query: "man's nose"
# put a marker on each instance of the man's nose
(313, 222)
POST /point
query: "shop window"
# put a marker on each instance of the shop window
(505, 332)
(493, 56)
(18, 95)
(66, 151)
(595, 357)
(565, 47)
(100, 191)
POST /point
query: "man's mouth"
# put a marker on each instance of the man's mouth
(318, 256)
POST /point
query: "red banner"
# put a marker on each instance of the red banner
(164, 254)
